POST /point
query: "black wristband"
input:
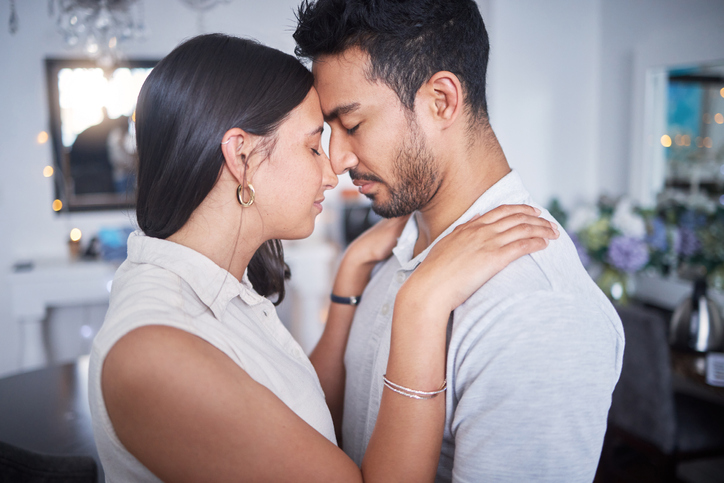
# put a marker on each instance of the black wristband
(345, 300)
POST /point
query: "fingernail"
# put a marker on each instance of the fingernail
(537, 211)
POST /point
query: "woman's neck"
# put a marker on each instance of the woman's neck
(222, 232)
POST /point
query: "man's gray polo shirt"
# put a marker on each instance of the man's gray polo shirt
(533, 357)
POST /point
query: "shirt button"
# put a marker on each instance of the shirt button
(385, 309)
(401, 277)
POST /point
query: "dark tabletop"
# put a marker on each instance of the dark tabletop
(47, 411)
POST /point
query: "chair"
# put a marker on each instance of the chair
(18, 465)
(646, 416)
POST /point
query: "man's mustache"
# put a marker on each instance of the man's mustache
(356, 175)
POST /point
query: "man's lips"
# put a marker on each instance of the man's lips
(364, 185)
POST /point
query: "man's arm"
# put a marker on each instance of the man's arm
(328, 356)
(533, 387)
(354, 272)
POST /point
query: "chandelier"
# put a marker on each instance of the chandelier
(99, 26)
(96, 26)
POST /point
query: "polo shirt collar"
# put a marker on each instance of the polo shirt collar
(509, 189)
(214, 286)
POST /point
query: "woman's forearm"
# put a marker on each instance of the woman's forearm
(409, 431)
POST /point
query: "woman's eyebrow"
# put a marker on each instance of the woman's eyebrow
(316, 131)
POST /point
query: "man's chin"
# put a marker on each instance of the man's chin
(387, 210)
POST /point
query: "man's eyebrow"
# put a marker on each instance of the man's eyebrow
(341, 110)
(316, 131)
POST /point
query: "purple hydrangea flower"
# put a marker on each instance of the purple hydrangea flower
(627, 254)
(689, 242)
(582, 253)
(658, 238)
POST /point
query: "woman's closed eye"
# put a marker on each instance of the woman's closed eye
(316, 152)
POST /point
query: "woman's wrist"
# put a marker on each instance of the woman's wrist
(419, 296)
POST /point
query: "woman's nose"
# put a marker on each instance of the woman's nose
(329, 178)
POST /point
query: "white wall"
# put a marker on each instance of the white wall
(542, 81)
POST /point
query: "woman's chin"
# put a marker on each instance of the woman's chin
(300, 234)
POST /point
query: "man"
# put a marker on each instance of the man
(534, 355)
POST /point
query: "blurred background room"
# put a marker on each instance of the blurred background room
(612, 112)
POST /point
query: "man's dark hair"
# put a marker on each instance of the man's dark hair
(408, 41)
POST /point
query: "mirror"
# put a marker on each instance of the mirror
(92, 128)
(694, 138)
(687, 131)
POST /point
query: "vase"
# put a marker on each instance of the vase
(615, 284)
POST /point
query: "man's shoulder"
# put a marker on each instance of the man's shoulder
(547, 294)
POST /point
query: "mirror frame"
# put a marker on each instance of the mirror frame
(651, 63)
(72, 202)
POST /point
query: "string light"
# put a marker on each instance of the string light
(666, 141)
(57, 205)
(48, 171)
(75, 234)
(42, 137)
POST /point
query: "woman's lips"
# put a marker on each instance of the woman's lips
(318, 204)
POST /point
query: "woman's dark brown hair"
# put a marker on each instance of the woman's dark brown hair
(204, 87)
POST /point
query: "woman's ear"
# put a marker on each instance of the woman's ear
(237, 145)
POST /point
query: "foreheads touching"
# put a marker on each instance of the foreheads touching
(406, 42)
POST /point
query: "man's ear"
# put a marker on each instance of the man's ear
(442, 96)
(237, 145)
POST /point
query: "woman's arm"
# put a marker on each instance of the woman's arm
(354, 271)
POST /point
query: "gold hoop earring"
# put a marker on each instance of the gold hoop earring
(240, 195)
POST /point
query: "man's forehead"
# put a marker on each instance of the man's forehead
(353, 61)
(342, 82)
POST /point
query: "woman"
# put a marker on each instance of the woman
(193, 377)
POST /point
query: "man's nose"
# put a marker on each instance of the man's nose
(340, 154)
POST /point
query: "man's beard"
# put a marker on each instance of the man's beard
(415, 177)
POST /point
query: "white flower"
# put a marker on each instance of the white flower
(582, 217)
(628, 222)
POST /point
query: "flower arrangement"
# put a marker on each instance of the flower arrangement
(682, 234)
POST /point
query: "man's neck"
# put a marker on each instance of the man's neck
(468, 173)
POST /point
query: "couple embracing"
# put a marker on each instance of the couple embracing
(465, 341)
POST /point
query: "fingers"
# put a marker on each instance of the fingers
(518, 248)
(504, 211)
(508, 222)
(526, 231)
